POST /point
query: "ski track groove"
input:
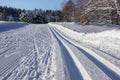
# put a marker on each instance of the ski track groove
(109, 73)
(78, 65)
(92, 67)
(28, 56)
(113, 56)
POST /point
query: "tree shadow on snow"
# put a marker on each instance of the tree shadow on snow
(11, 25)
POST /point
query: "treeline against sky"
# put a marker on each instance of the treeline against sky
(31, 16)
(92, 11)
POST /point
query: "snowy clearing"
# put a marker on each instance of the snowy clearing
(59, 51)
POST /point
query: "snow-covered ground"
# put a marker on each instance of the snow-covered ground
(59, 51)
(26, 52)
(104, 38)
(99, 41)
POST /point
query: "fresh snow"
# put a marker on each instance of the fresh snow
(59, 51)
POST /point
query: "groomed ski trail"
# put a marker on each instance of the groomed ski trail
(108, 68)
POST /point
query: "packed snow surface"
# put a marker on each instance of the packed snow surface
(59, 51)
(26, 52)
(104, 38)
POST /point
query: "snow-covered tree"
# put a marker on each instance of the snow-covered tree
(1, 16)
(10, 18)
(69, 10)
(98, 11)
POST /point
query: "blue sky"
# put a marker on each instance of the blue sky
(32, 4)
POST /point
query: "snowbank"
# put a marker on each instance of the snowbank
(108, 40)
